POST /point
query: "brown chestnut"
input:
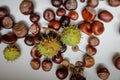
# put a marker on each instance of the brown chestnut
(105, 16)
(88, 14)
(57, 58)
(64, 21)
(61, 12)
(34, 28)
(93, 41)
(97, 27)
(20, 29)
(103, 73)
(34, 17)
(29, 40)
(63, 48)
(90, 50)
(65, 63)
(56, 3)
(26, 7)
(54, 24)
(35, 64)
(93, 3)
(73, 15)
(117, 62)
(3, 12)
(114, 3)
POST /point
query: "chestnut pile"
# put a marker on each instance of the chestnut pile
(52, 42)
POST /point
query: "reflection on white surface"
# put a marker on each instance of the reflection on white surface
(21, 70)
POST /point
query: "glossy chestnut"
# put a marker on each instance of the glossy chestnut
(57, 58)
(34, 28)
(34, 17)
(93, 41)
(73, 15)
(117, 62)
(56, 3)
(60, 12)
(64, 21)
(114, 3)
(35, 64)
(90, 50)
(54, 24)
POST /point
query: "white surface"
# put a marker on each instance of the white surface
(21, 70)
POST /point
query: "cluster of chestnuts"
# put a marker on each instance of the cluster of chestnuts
(90, 26)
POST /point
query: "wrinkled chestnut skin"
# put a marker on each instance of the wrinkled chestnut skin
(114, 3)
(97, 27)
(73, 15)
(20, 29)
(26, 7)
(56, 3)
(86, 28)
(62, 73)
(3, 12)
(70, 4)
(88, 14)
(103, 73)
(7, 22)
(57, 58)
(105, 16)
(49, 15)
(61, 12)
(92, 3)
(34, 28)
(9, 38)
(35, 64)
(93, 41)
(34, 17)
(54, 24)
(64, 21)
(90, 50)
(117, 62)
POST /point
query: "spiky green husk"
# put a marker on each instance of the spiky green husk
(11, 53)
(49, 46)
(71, 35)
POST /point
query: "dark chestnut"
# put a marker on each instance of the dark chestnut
(64, 21)
(9, 38)
(35, 64)
(56, 3)
(93, 41)
(35, 53)
(26, 7)
(29, 40)
(3, 12)
(54, 24)
(93, 3)
(47, 65)
(117, 62)
(34, 17)
(62, 73)
(63, 48)
(77, 77)
(70, 4)
(34, 28)
(57, 58)
(36, 38)
(114, 3)
(20, 29)
(61, 12)
(73, 15)
(49, 15)
(90, 50)
(7, 22)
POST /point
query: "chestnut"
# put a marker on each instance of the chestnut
(49, 15)
(7, 22)
(34, 28)
(57, 58)
(88, 14)
(88, 61)
(103, 73)
(82, 1)
(29, 40)
(73, 15)
(54, 24)
(65, 63)
(93, 3)
(105, 16)
(93, 41)
(35, 64)
(63, 48)
(85, 27)
(56, 3)
(64, 21)
(62, 73)
(9, 38)
(70, 4)
(3, 12)
(76, 76)
(36, 38)
(47, 65)
(34, 17)
(35, 53)
(114, 3)
(26, 7)
(90, 50)
(60, 12)
(20, 29)
(97, 27)
(117, 62)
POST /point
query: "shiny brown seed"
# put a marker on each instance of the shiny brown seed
(73, 15)
(29, 40)
(93, 41)
(3, 12)
(54, 24)
(65, 63)
(57, 58)
(117, 62)
(34, 28)
(35, 64)
(93, 3)
(90, 50)
(56, 3)
(34, 17)
(61, 12)
(114, 3)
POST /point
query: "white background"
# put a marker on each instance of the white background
(108, 48)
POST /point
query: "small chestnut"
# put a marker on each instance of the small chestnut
(114, 3)
(35, 64)
(34, 17)
(92, 3)
(90, 50)
(56, 3)
(29, 40)
(117, 62)
(54, 24)
(3, 12)
(57, 58)
(93, 41)
(73, 15)
(34, 28)
(64, 20)
(60, 12)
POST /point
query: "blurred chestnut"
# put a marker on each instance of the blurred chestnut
(35, 64)
(76, 76)
(117, 62)
(56, 3)
(82, 1)
(49, 15)
(36, 38)
(88, 61)
(20, 29)
(34, 17)
(65, 63)
(34, 28)
(97, 27)
(47, 65)
(114, 3)
(54, 24)
(29, 40)
(3, 12)
(70, 4)
(35, 53)
(26, 7)
(62, 73)
(9, 38)
(93, 41)
(63, 48)
(85, 27)
(93, 3)
(73, 15)
(105, 16)
(64, 21)
(7, 22)
(90, 50)
(103, 73)
(88, 14)
(57, 58)
(60, 12)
